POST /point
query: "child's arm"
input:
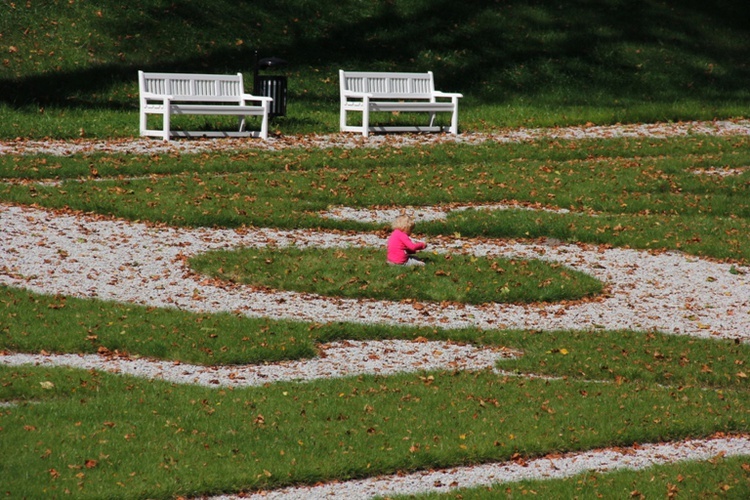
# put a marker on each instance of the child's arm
(413, 246)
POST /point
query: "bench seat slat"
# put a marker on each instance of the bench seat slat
(201, 109)
(218, 108)
(388, 106)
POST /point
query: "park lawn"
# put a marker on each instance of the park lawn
(69, 71)
(649, 194)
(95, 434)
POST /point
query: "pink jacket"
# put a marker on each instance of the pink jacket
(400, 246)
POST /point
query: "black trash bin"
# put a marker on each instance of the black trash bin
(274, 86)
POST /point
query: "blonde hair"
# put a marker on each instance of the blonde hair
(403, 223)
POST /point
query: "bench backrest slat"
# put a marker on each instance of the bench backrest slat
(388, 85)
(194, 87)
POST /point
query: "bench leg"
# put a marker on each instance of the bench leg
(264, 121)
(454, 118)
(366, 119)
(142, 122)
(342, 118)
(166, 124)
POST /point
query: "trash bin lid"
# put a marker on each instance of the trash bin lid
(270, 62)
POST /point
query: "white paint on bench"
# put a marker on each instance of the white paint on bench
(368, 92)
(169, 94)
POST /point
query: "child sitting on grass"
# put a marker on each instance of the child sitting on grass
(401, 248)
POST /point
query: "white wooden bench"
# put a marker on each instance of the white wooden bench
(169, 94)
(368, 92)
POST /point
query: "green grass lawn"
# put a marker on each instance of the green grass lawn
(647, 194)
(146, 438)
(361, 273)
(108, 435)
(68, 70)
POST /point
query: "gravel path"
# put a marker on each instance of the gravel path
(556, 467)
(145, 145)
(337, 359)
(129, 262)
(86, 256)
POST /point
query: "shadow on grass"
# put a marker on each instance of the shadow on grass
(643, 49)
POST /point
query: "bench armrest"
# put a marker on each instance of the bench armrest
(251, 97)
(360, 95)
(158, 97)
(438, 93)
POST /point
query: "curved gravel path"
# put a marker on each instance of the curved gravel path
(87, 256)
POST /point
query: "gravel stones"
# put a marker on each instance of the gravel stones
(347, 141)
(88, 256)
(337, 359)
(556, 467)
